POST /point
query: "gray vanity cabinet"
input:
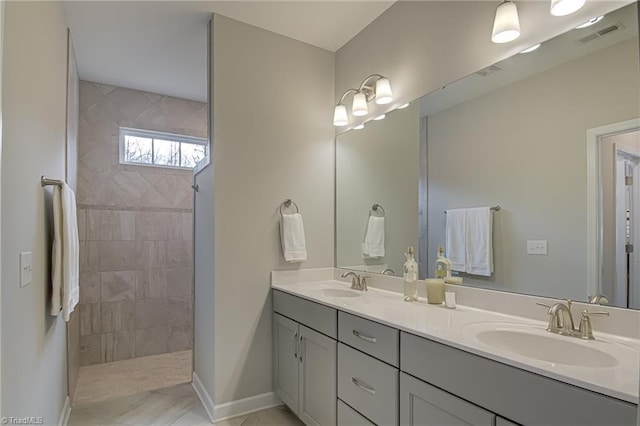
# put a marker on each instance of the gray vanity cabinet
(424, 405)
(305, 360)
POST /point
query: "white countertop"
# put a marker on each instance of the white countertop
(452, 327)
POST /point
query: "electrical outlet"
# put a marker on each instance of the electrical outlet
(537, 247)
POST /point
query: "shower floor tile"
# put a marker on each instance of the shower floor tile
(112, 380)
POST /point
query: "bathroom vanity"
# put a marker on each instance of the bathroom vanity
(343, 356)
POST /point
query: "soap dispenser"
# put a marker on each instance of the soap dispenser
(443, 265)
(410, 290)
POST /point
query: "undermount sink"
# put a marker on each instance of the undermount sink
(551, 348)
(339, 292)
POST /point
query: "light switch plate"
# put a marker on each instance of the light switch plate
(537, 247)
(26, 269)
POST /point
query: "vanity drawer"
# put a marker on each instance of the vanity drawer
(370, 337)
(347, 416)
(314, 315)
(368, 385)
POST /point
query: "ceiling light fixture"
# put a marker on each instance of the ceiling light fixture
(532, 48)
(590, 22)
(506, 25)
(368, 91)
(565, 7)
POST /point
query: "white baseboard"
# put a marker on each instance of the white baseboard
(247, 405)
(66, 412)
(236, 408)
(205, 398)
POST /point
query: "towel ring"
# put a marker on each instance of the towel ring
(287, 203)
(375, 208)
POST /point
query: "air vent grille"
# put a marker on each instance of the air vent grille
(601, 32)
(489, 70)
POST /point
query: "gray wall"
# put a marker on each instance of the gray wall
(135, 228)
(378, 164)
(34, 376)
(424, 45)
(272, 139)
(523, 147)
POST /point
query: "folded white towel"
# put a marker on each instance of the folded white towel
(373, 245)
(456, 239)
(479, 230)
(292, 237)
(65, 271)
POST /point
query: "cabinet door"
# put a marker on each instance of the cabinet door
(425, 405)
(317, 381)
(285, 360)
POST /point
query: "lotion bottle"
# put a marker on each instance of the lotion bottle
(410, 290)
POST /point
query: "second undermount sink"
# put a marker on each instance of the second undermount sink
(339, 292)
(555, 349)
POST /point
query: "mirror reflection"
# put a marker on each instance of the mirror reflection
(537, 134)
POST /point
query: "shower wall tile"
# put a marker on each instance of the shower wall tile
(135, 227)
(120, 285)
(89, 318)
(180, 312)
(151, 313)
(180, 338)
(179, 283)
(89, 287)
(118, 346)
(151, 341)
(117, 316)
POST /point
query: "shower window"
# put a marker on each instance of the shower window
(159, 149)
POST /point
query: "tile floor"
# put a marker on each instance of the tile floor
(176, 405)
(102, 382)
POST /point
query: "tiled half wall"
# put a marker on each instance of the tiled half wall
(135, 225)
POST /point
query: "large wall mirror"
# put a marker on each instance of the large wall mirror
(552, 137)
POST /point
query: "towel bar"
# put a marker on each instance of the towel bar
(49, 182)
(287, 203)
(494, 208)
(375, 208)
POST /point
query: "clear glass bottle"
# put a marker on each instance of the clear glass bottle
(443, 265)
(410, 289)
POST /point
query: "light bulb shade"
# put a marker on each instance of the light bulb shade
(506, 26)
(340, 116)
(359, 107)
(384, 95)
(565, 7)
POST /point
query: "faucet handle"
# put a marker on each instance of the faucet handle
(543, 304)
(363, 281)
(585, 330)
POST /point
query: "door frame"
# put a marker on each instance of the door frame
(594, 196)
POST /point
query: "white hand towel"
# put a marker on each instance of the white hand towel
(456, 239)
(66, 253)
(292, 236)
(479, 230)
(373, 246)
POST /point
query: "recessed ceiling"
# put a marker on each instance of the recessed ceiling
(161, 47)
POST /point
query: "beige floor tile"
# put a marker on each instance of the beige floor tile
(158, 409)
(194, 417)
(280, 416)
(184, 389)
(108, 411)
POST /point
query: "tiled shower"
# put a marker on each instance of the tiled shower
(135, 225)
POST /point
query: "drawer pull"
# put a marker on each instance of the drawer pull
(295, 345)
(365, 388)
(364, 337)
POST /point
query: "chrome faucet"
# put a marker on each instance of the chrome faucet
(561, 321)
(599, 299)
(358, 282)
(388, 271)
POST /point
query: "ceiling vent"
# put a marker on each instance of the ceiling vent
(602, 32)
(489, 70)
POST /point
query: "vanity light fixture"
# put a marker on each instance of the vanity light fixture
(532, 48)
(506, 26)
(380, 117)
(375, 87)
(359, 127)
(403, 106)
(565, 7)
(590, 22)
